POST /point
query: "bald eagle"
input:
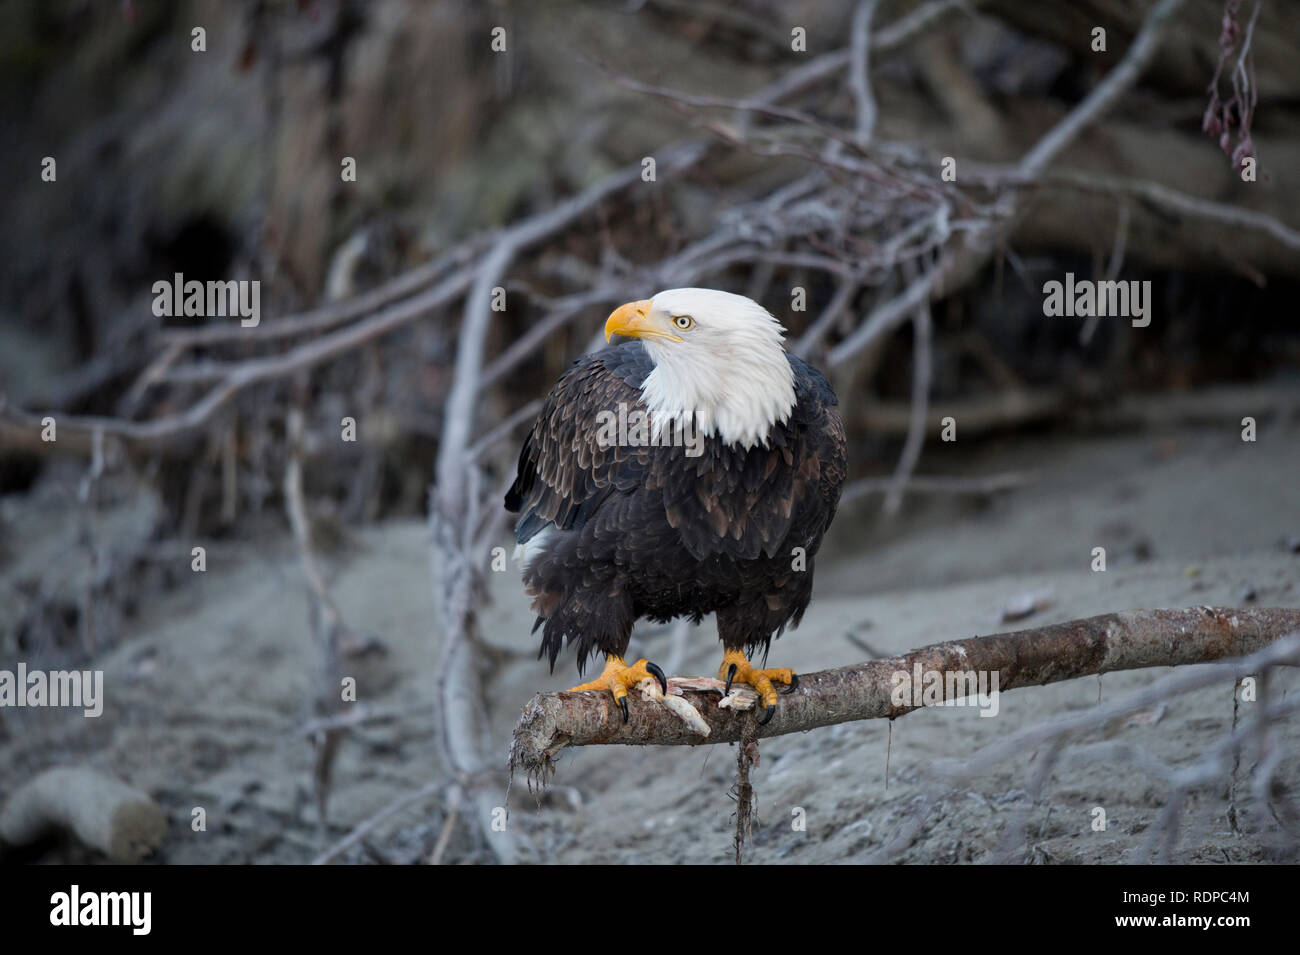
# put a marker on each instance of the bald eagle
(692, 469)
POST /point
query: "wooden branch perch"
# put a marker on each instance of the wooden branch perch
(1116, 641)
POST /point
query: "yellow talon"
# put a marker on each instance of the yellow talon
(618, 678)
(737, 669)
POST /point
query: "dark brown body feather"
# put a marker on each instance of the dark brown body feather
(651, 532)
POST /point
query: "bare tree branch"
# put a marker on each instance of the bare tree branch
(922, 370)
(911, 24)
(888, 315)
(859, 69)
(16, 426)
(1115, 641)
(956, 263)
(457, 501)
(1106, 93)
(327, 623)
(336, 313)
(1157, 194)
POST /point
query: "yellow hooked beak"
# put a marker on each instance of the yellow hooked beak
(635, 320)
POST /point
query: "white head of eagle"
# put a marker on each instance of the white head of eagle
(718, 357)
(611, 532)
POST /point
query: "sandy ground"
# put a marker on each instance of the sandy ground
(210, 689)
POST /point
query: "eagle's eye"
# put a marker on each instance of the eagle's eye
(683, 322)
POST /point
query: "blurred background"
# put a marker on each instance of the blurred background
(894, 181)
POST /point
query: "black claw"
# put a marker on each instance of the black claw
(658, 674)
(623, 705)
(730, 674)
(767, 717)
(794, 685)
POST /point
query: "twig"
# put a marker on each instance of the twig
(859, 68)
(911, 24)
(561, 313)
(757, 106)
(327, 622)
(1106, 93)
(242, 375)
(921, 372)
(956, 264)
(1112, 267)
(885, 317)
(840, 301)
(503, 430)
(1164, 197)
(328, 316)
(359, 715)
(364, 828)
(444, 836)
(746, 759)
(936, 484)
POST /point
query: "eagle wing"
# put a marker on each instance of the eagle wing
(565, 470)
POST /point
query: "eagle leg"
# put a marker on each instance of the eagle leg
(737, 669)
(618, 678)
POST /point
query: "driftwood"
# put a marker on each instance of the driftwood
(102, 812)
(1117, 641)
